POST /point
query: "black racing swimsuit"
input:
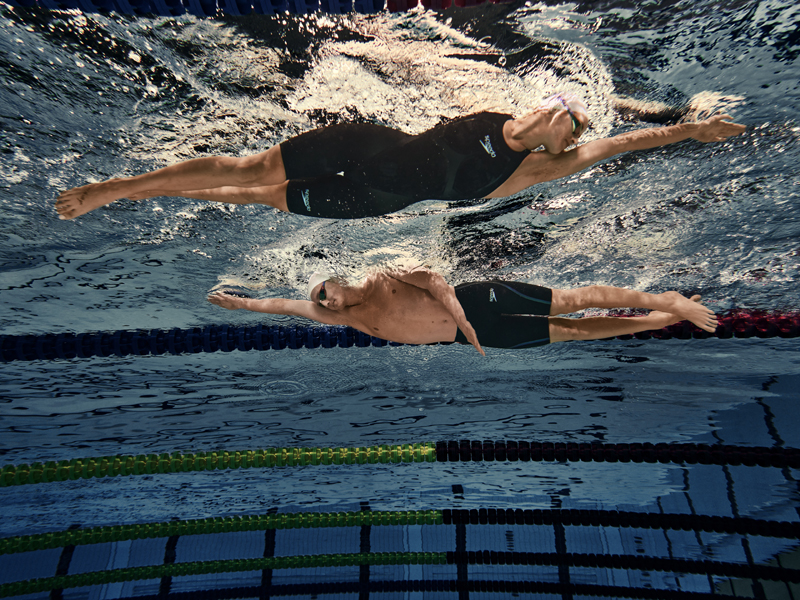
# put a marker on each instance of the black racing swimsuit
(357, 170)
(506, 314)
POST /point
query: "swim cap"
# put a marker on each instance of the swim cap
(316, 278)
(576, 105)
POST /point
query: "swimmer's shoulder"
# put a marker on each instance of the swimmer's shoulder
(478, 117)
(490, 115)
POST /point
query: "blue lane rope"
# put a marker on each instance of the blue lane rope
(208, 8)
(226, 338)
(235, 8)
(211, 338)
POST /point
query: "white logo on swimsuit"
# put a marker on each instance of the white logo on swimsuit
(487, 145)
(304, 193)
(492, 297)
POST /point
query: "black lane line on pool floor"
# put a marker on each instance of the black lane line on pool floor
(63, 565)
(269, 551)
(563, 570)
(364, 548)
(462, 569)
(170, 555)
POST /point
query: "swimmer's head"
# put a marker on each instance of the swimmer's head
(316, 278)
(328, 291)
(574, 106)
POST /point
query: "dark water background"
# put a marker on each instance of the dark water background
(88, 97)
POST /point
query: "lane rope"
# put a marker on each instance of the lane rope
(476, 516)
(216, 8)
(444, 451)
(486, 557)
(226, 338)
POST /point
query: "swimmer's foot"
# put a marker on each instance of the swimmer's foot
(692, 310)
(81, 200)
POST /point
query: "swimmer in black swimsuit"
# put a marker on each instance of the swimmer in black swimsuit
(465, 158)
(417, 306)
(506, 314)
(351, 171)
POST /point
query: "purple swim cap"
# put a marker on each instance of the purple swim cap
(567, 100)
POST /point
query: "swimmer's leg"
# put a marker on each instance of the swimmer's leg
(337, 148)
(595, 328)
(339, 197)
(601, 296)
(328, 197)
(263, 169)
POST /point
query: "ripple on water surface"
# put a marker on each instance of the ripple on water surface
(87, 97)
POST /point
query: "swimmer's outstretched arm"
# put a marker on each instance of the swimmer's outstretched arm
(435, 284)
(280, 306)
(539, 167)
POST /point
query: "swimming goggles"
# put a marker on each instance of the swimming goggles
(322, 294)
(576, 124)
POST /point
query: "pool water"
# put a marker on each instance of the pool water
(88, 97)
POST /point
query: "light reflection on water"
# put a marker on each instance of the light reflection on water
(605, 391)
(90, 97)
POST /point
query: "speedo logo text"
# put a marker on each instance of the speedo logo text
(487, 145)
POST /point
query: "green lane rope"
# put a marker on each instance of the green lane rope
(444, 451)
(486, 557)
(478, 516)
(594, 518)
(119, 533)
(113, 466)
(33, 586)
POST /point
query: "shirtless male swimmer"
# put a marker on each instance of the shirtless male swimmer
(357, 170)
(417, 306)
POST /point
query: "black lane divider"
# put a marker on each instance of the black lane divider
(624, 561)
(226, 338)
(704, 454)
(616, 519)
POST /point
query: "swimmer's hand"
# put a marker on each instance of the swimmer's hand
(717, 129)
(226, 300)
(469, 333)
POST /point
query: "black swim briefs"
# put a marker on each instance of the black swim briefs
(357, 170)
(506, 314)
